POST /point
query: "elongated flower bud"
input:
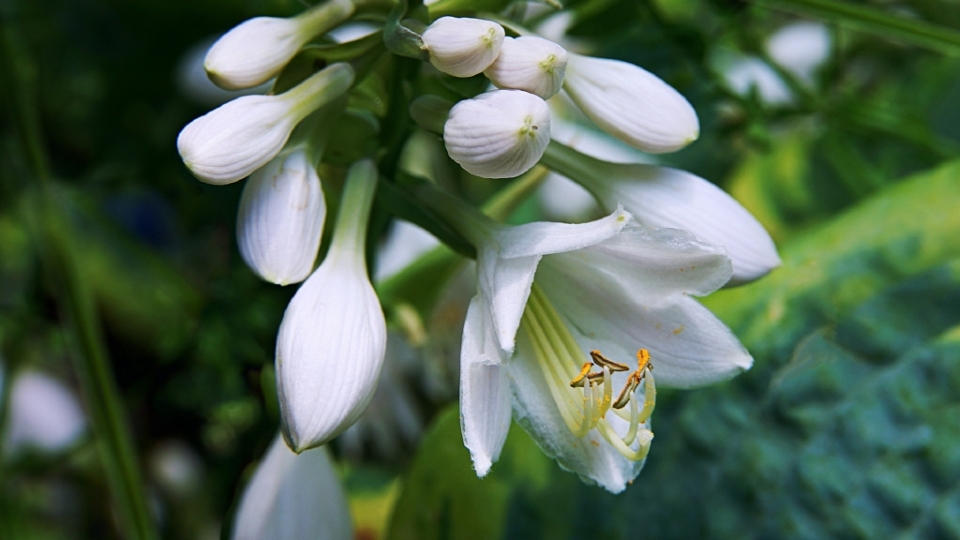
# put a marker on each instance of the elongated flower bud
(280, 221)
(631, 103)
(463, 47)
(292, 497)
(499, 134)
(333, 336)
(237, 138)
(529, 63)
(259, 48)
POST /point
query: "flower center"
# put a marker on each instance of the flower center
(584, 397)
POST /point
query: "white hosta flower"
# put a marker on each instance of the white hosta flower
(259, 48)
(600, 286)
(801, 48)
(499, 134)
(631, 103)
(281, 216)
(462, 47)
(231, 141)
(292, 497)
(531, 64)
(746, 74)
(405, 243)
(193, 82)
(671, 198)
(331, 342)
(43, 415)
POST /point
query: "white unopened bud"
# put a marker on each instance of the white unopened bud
(631, 104)
(499, 134)
(259, 48)
(280, 221)
(237, 138)
(332, 340)
(463, 47)
(529, 63)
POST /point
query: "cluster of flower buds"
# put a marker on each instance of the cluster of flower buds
(503, 133)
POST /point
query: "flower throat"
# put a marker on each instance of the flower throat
(583, 392)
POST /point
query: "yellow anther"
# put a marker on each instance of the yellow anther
(643, 360)
(602, 361)
(584, 372)
(633, 381)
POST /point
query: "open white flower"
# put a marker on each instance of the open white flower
(237, 138)
(671, 198)
(281, 216)
(531, 64)
(461, 46)
(332, 340)
(601, 286)
(257, 49)
(499, 134)
(292, 497)
(631, 103)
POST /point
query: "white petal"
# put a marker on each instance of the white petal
(281, 217)
(671, 198)
(652, 264)
(499, 134)
(531, 64)
(193, 82)
(330, 350)
(257, 49)
(291, 497)
(463, 47)
(43, 413)
(484, 391)
(590, 457)
(504, 285)
(631, 103)
(543, 238)
(747, 74)
(237, 138)
(688, 345)
(506, 269)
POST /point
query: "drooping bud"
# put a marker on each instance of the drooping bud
(237, 138)
(499, 134)
(463, 47)
(631, 104)
(259, 48)
(529, 63)
(332, 340)
(292, 497)
(281, 216)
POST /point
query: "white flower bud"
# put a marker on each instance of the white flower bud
(259, 48)
(631, 103)
(237, 138)
(462, 47)
(44, 415)
(332, 340)
(281, 216)
(529, 63)
(499, 134)
(292, 497)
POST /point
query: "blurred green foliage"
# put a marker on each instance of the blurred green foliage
(845, 428)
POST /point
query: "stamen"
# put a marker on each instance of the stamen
(643, 360)
(633, 381)
(584, 373)
(602, 361)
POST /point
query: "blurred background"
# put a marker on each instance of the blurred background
(836, 123)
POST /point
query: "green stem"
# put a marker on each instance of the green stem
(350, 234)
(75, 299)
(874, 21)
